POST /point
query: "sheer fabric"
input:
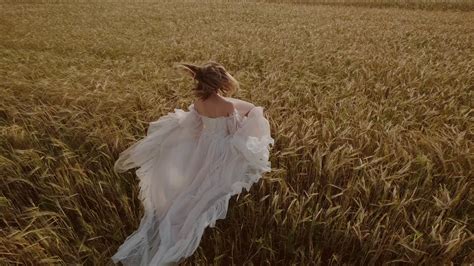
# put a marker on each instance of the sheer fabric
(189, 166)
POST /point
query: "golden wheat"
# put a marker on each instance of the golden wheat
(371, 110)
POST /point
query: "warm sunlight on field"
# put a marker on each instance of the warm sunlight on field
(371, 110)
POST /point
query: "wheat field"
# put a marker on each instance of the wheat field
(371, 109)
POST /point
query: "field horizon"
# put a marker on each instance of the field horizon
(430, 5)
(371, 110)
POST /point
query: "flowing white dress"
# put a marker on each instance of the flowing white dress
(189, 166)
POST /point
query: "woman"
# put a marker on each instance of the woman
(190, 164)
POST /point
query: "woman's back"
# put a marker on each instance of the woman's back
(218, 106)
(214, 106)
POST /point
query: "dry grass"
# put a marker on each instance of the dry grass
(371, 111)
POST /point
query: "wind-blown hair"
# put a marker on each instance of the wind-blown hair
(211, 77)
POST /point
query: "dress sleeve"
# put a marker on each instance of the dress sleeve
(251, 137)
(148, 147)
(235, 122)
(186, 119)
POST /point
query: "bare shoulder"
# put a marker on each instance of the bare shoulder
(228, 107)
(197, 105)
(242, 106)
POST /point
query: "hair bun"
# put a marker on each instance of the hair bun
(212, 77)
(198, 74)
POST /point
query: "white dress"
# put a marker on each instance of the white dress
(189, 166)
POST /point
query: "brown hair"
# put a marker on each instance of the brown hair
(211, 77)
